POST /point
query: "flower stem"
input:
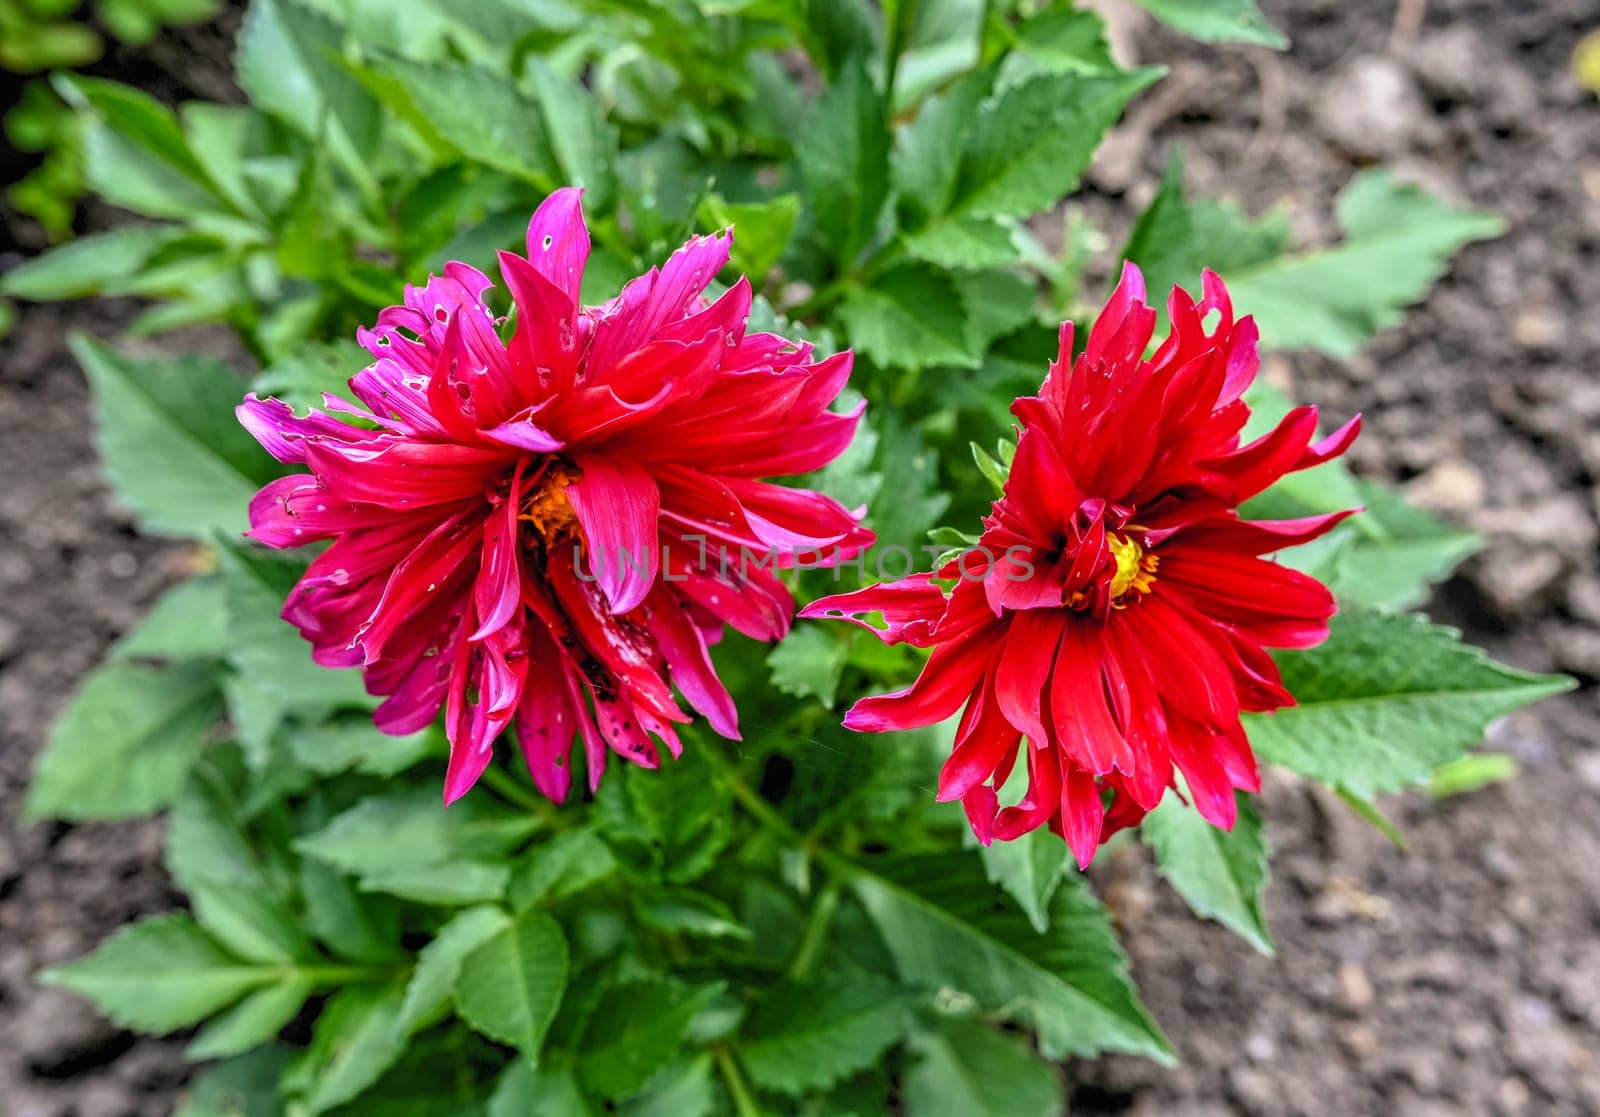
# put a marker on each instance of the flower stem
(744, 1102)
(513, 792)
(816, 932)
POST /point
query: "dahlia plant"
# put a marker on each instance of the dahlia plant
(564, 497)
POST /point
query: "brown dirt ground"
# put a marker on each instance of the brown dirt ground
(1461, 975)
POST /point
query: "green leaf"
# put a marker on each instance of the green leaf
(1472, 772)
(160, 974)
(214, 863)
(432, 986)
(187, 622)
(1218, 21)
(842, 148)
(584, 144)
(269, 655)
(446, 884)
(566, 864)
(1410, 550)
(481, 114)
(288, 61)
(135, 155)
(510, 985)
(927, 152)
(682, 911)
(684, 1089)
(1221, 873)
(761, 231)
(968, 243)
(126, 742)
(360, 928)
(1398, 242)
(1030, 869)
(405, 829)
(329, 748)
(253, 1022)
(948, 928)
(525, 1090)
(172, 448)
(95, 264)
(354, 1042)
(636, 1030)
(1066, 39)
(808, 664)
(911, 472)
(243, 1087)
(968, 1069)
(1033, 140)
(682, 808)
(911, 317)
(1386, 700)
(808, 1037)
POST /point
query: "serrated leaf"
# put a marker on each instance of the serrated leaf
(187, 622)
(967, 243)
(1398, 241)
(243, 1087)
(432, 984)
(683, 911)
(684, 1089)
(842, 148)
(1030, 869)
(948, 928)
(331, 747)
(253, 1022)
(172, 448)
(288, 61)
(636, 1030)
(1394, 566)
(568, 863)
(1066, 39)
(584, 145)
(1033, 140)
(353, 1043)
(926, 161)
(361, 928)
(1218, 21)
(525, 1090)
(761, 230)
(808, 1037)
(1387, 699)
(1221, 873)
(968, 1069)
(88, 265)
(808, 664)
(406, 829)
(510, 985)
(910, 471)
(272, 661)
(911, 317)
(214, 863)
(160, 974)
(685, 812)
(481, 114)
(126, 742)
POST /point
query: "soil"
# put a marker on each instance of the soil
(1460, 975)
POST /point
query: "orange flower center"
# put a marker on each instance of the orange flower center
(545, 504)
(1136, 570)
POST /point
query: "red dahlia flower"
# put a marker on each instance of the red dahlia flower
(537, 530)
(1122, 620)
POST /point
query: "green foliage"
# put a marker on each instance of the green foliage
(1397, 241)
(1386, 700)
(786, 925)
(1237, 21)
(1221, 873)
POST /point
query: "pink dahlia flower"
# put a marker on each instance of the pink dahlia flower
(1117, 611)
(538, 531)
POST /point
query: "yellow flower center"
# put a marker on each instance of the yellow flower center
(545, 505)
(1136, 570)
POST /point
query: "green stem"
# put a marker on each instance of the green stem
(816, 932)
(744, 1102)
(515, 793)
(341, 975)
